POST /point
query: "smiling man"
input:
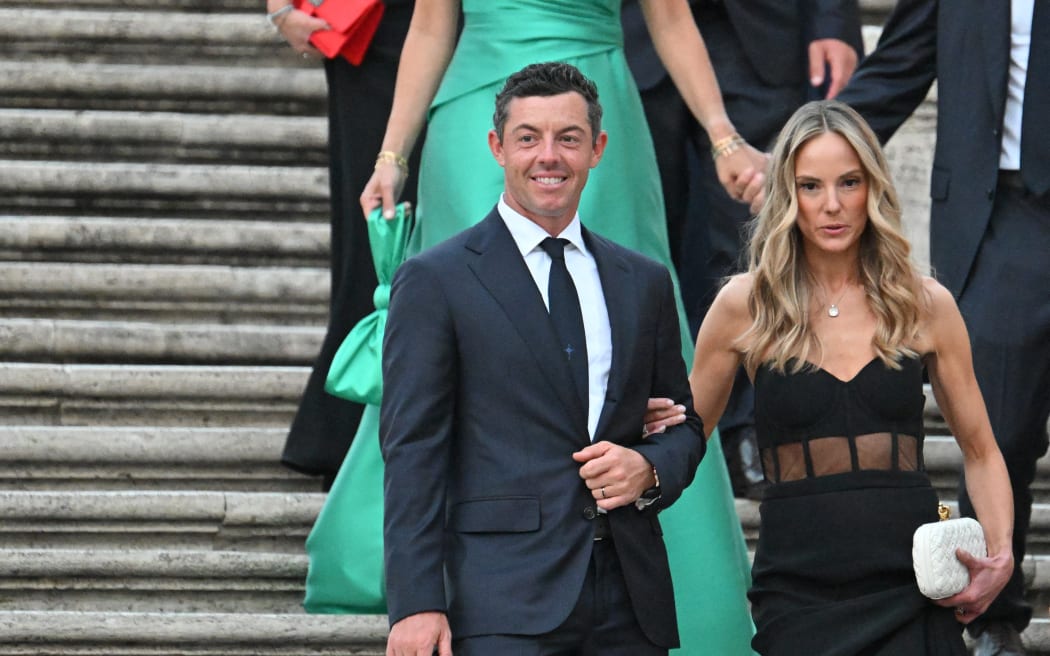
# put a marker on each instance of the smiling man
(521, 496)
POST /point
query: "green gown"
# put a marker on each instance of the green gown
(459, 184)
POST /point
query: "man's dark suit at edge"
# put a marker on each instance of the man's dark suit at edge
(766, 54)
(498, 474)
(989, 217)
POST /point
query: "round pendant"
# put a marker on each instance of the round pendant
(833, 311)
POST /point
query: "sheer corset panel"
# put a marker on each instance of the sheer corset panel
(824, 456)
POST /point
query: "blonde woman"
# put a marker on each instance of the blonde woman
(835, 326)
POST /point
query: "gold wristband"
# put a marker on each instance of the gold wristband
(390, 157)
(727, 145)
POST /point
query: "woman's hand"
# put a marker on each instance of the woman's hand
(296, 27)
(743, 174)
(383, 188)
(988, 576)
(661, 413)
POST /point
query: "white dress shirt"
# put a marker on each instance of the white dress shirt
(584, 271)
(1020, 44)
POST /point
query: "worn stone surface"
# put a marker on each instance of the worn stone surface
(78, 458)
(75, 236)
(49, 134)
(141, 342)
(199, 634)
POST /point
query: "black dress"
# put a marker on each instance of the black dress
(359, 101)
(833, 570)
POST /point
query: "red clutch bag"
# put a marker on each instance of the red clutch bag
(353, 24)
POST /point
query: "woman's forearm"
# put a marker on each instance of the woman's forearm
(682, 51)
(987, 481)
(427, 51)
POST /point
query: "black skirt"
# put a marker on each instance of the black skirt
(833, 570)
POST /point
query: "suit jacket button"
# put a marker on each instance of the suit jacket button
(589, 512)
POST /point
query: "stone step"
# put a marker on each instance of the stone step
(73, 633)
(149, 395)
(157, 519)
(201, 6)
(100, 458)
(113, 342)
(82, 34)
(163, 137)
(147, 189)
(163, 241)
(151, 581)
(235, 89)
(169, 292)
(185, 580)
(77, 633)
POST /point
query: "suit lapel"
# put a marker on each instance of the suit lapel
(621, 300)
(501, 269)
(995, 37)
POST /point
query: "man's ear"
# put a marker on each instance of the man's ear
(496, 146)
(599, 148)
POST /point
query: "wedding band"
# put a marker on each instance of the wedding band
(603, 493)
(959, 610)
(306, 55)
(645, 432)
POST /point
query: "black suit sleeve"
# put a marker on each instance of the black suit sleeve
(419, 372)
(677, 452)
(833, 19)
(894, 79)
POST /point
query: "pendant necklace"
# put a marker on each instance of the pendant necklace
(833, 309)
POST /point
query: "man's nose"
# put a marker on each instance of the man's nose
(548, 150)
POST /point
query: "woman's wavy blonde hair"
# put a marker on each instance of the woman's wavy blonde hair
(782, 286)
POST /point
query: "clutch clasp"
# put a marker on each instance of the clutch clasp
(943, 512)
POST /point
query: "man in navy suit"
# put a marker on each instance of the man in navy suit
(989, 217)
(770, 57)
(521, 496)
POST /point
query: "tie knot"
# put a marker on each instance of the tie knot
(555, 247)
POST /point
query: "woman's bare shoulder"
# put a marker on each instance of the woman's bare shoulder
(732, 302)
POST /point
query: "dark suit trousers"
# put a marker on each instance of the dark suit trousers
(601, 624)
(704, 225)
(359, 100)
(1007, 312)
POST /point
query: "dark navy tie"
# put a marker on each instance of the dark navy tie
(1035, 137)
(564, 304)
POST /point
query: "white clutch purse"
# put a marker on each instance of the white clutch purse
(937, 570)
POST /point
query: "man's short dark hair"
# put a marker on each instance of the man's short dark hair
(548, 79)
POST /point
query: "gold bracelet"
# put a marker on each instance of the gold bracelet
(727, 145)
(390, 157)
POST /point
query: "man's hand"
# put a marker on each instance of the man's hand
(615, 475)
(420, 635)
(838, 56)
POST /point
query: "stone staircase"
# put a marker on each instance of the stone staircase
(163, 290)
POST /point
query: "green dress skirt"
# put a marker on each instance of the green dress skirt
(459, 184)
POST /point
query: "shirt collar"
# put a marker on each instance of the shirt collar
(528, 236)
